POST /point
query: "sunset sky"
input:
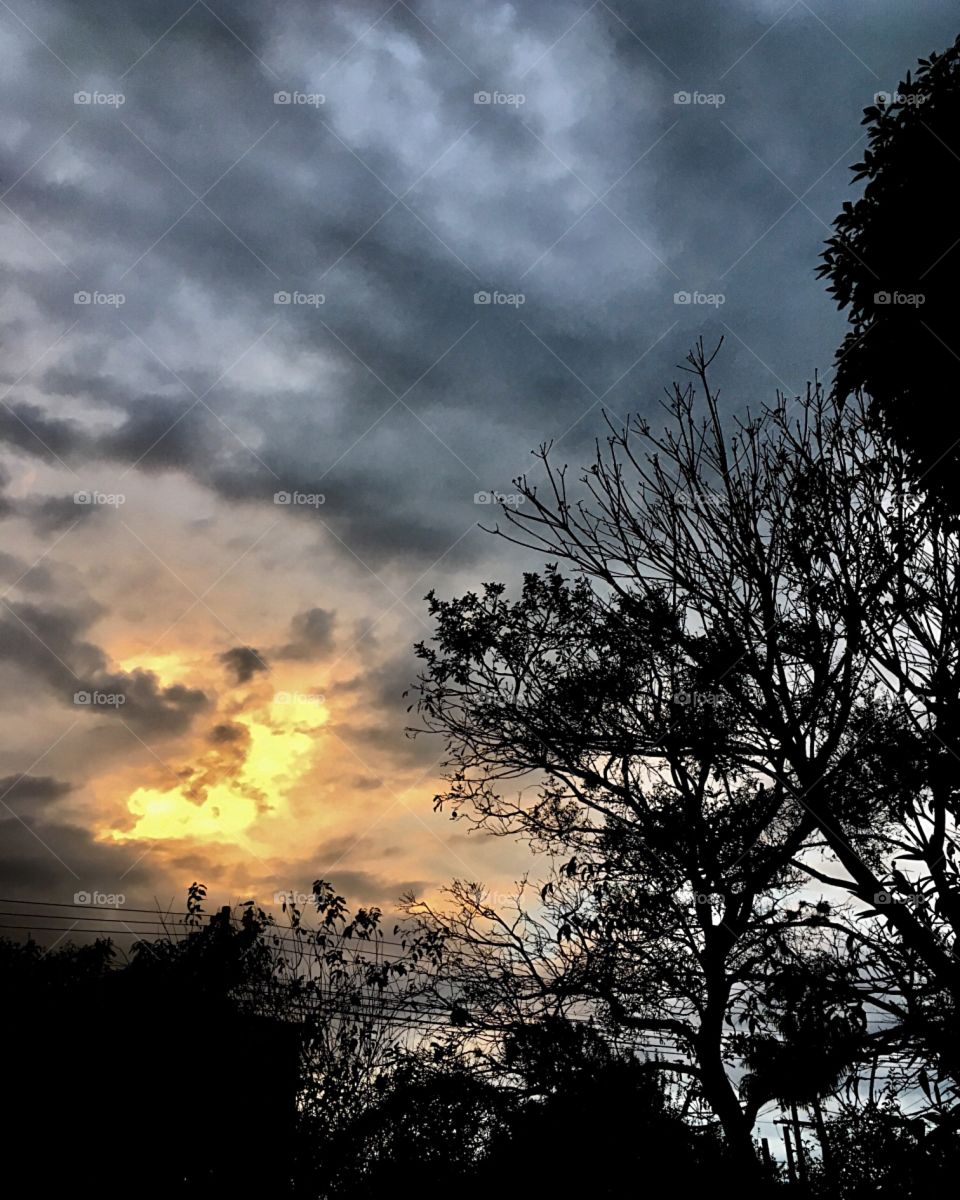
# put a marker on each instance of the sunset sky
(159, 401)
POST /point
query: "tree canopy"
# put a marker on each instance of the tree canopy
(893, 264)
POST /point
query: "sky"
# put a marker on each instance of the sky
(288, 290)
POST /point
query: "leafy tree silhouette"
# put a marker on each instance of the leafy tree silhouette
(125, 1054)
(879, 1152)
(893, 263)
(206, 1040)
(450, 1124)
(428, 1124)
(574, 1080)
(814, 1033)
(774, 566)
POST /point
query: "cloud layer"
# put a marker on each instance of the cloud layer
(288, 291)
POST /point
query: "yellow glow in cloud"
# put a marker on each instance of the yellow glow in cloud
(280, 752)
(224, 814)
(169, 668)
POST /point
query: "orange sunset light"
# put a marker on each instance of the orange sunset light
(227, 788)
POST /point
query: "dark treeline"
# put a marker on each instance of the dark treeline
(239, 1055)
(725, 717)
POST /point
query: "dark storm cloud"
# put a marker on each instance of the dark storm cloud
(33, 789)
(366, 783)
(494, 212)
(27, 576)
(365, 887)
(51, 514)
(397, 398)
(54, 860)
(229, 733)
(47, 643)
(28, 428)
(379, 717)
(399, 298)
(242, 663)
(311, 636)
(47, 647)
(512, 206)
(358, 887)
(6, 507)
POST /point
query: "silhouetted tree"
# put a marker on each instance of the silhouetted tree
(357, 1004)
(881, 1152)
(776, 577)
(427, 1126)
(246, 1044)
(894, 262)
(611, 947)
(450, 1120)
(103, 1057)
(619, 1121)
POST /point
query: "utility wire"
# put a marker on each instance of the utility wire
(158, 914)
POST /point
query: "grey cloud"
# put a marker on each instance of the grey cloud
(243, 662)
(314, 398)
(311, 636)
(375, 728)
(228, 733)
(53, 514)
(29, 428)
(366, 783)
(34, 789)
(27, 576)
(47, 646)
(42, 860)
(599, 299)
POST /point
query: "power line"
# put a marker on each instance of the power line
(302, 936)
(160, 914)
(405, 1014)
(369, 951)
(412, 1016)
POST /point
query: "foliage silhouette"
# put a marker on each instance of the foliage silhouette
(745, 690)
(892, 262)
(208, 1040)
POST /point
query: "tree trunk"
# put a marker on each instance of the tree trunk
(720, 1095)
